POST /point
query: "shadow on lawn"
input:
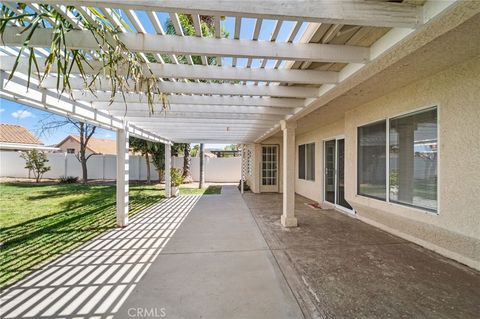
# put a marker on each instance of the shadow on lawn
(27, 246)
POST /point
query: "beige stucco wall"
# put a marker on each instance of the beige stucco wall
(314, 189)
(455, 230)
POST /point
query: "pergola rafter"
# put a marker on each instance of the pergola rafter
(314, 52)
(171, 44)
(368, 13)
(204, 88)
(255, 82)
(204, 72)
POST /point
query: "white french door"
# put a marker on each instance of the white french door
(269, 169)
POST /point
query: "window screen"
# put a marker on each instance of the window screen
(372, 160)
(413, 159)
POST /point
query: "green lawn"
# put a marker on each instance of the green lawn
(41, 222)
(211, 190)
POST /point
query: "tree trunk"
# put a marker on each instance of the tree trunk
(187, 176)
(83, 159)
(84, 167)
(202, 168)
(147, 159)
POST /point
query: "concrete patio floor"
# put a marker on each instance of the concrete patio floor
(340, 267)
(217, 265)
(227, 256)
(185, 257)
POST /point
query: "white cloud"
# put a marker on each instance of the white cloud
(21, 114)
(2, 110)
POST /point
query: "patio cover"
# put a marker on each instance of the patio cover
(268, 79)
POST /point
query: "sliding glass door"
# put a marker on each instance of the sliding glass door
(335, 173)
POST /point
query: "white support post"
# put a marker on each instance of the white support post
(122, 176)
(242, 176)
(288, 218)
(168, 165)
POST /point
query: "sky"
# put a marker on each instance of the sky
(29, 117)
(15, 113)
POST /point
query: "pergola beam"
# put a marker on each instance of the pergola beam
(368, 13)
(141, 121)
(143, 107)
(102, 97)
(197, 115)
(205, 126)
(172, 44)
(207, 72)
(16, 90)
(205, 88)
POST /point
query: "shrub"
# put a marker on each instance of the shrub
(35, 161)
(176, 177)
(68, 180)
(246, 187)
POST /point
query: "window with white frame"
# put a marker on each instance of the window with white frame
(306, 161)
(372, 164)
(412, 159)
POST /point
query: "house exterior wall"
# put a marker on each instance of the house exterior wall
(314, 189)
(70, 143)
(454, 230)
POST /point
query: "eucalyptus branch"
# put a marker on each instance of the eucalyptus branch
(111, 53)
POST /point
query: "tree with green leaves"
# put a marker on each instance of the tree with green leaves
(194, 151)
(157, 151)
(232, 147)
(35, 161)
(207, 26)
(143, 147)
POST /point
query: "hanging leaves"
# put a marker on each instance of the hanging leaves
(124, 70)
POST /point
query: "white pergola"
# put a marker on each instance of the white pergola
(327, 43)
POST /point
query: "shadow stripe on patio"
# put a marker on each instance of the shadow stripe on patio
(95, 279)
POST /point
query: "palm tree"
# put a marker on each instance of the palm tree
(187, 176)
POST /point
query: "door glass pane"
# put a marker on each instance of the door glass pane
(301, 161)
(413, 159)
(269, 165)
(341, 174)
(330, 171)
(372, 160)
(310, 154)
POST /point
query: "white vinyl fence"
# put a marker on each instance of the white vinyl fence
(103, 167)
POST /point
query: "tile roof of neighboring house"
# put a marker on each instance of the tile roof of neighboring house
(11, 133)
(95, 145)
